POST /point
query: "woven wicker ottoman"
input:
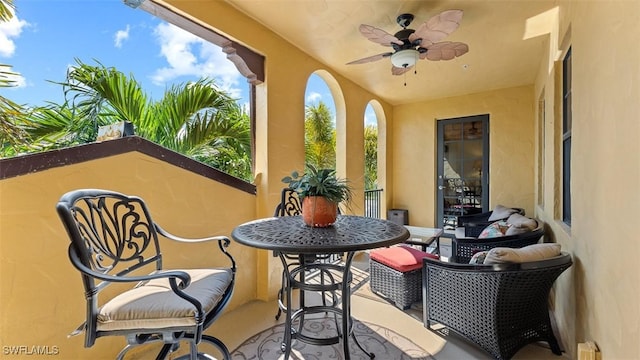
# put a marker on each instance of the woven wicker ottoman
(395, 274)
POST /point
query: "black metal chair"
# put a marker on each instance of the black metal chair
(115, 241)
(290, 205)
(499, 307)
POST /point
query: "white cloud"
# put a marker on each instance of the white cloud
(313, 97)
(16, 80)
(370, 117)
(8, 32)
(120, 36)
(189, 55)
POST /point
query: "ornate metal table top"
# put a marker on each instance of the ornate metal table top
(289, 234)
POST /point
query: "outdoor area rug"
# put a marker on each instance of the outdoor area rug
(384, 343)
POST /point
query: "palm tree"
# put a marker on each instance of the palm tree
(196, 119)
(319, 136)
(12, 115)
(371, 157)
(6, 7)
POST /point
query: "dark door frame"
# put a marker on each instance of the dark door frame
(483, 120)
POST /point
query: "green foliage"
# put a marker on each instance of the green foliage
(6, 10)
(319, 182)
(13, 117)
(371, 157)
(196, 119)
(319, 136)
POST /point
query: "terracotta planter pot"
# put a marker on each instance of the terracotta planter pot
(317, 211)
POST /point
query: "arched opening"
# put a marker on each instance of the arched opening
(319, 124)
(374, 160)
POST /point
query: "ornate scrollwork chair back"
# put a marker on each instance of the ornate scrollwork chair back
(114, 240)
(289, 204)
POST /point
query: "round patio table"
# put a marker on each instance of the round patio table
(290, 236)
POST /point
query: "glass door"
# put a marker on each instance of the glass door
(463, 164)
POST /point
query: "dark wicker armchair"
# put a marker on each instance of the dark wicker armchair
(499, 307)
(464, 248)
(473, 224)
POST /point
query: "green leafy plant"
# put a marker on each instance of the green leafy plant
(319, 182)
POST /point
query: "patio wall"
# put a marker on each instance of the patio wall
(599, 298)
(280, 107)
(41, 295)
(603, 285)
(512, 136)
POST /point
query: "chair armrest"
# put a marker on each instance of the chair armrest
(168, 235)
(464, 248)
(464, 267)
(185, 279)
(562, 259)
(223, 242)
(473, 218)
(474, 229)
(171, 275)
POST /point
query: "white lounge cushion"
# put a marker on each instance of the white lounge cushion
(535, 252)
(153, 305)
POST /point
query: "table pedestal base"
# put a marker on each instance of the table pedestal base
(295, 279)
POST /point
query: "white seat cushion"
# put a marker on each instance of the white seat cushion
(153, 305)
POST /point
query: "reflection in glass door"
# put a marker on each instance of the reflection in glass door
(463, 176)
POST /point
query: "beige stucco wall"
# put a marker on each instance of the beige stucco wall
(280, 116)
(599, 299)
(512, 135)
(41, 294)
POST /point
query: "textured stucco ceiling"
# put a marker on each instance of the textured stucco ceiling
(502, 53)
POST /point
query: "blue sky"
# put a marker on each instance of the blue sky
(46, 36)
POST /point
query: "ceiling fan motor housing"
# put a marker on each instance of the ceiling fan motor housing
(403, 35)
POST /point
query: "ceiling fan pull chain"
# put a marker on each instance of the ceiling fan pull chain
(405, 78)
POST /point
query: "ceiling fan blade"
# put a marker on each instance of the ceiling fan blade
(378, 36)
(400, 70)
(445, 50)
(370, 58)
(437, 28)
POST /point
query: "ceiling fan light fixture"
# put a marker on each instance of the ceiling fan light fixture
(405, 58)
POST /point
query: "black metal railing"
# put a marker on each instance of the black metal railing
(373, 203)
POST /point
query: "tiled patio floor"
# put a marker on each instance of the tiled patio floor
(236, 326)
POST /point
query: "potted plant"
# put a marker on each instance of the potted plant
(320, 191)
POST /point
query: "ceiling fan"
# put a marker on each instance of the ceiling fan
(412, 45)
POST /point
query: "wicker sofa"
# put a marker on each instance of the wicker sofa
(499, 307)
(469, 238)
(463, 249)
(473, 224)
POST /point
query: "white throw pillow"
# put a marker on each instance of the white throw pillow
(501, 213)
(535, 252)
(522, 222)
